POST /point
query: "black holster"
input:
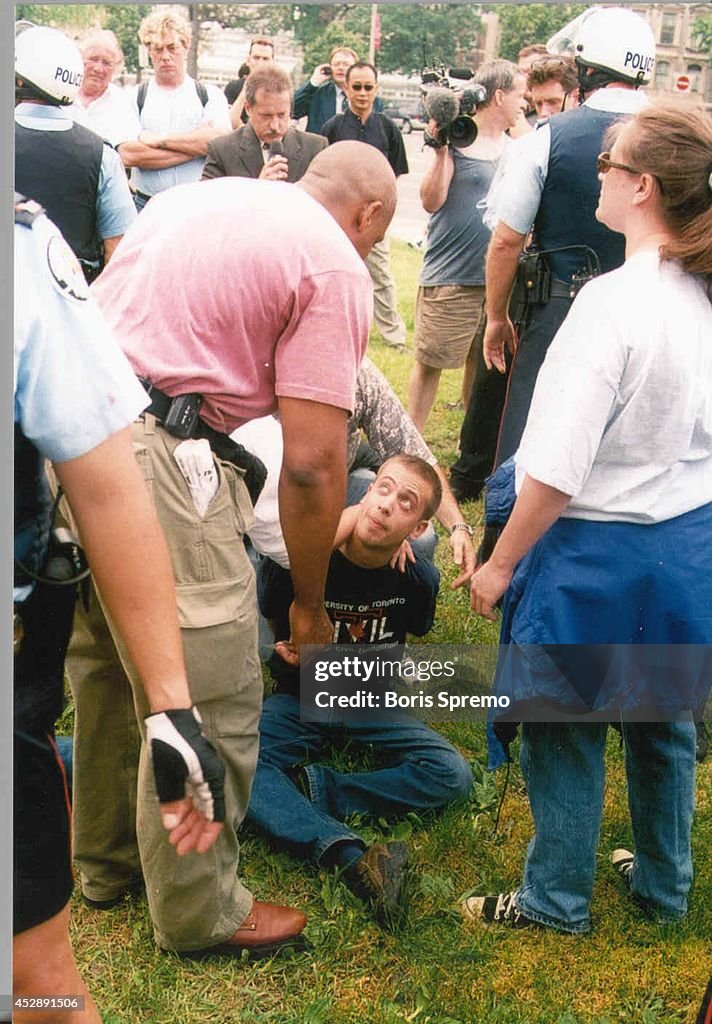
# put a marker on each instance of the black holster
(179, 415)
(532, 287)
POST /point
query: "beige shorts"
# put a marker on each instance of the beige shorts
(447, 320)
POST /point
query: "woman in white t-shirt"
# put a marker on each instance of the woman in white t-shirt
(605, 563)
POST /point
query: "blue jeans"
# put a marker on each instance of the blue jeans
(139, 201)
(423, 771)
(65, 750)
(563, 766)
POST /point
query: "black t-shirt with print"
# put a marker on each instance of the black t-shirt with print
(367, 606)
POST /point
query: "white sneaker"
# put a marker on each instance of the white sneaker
(622, 861)
(500, 909)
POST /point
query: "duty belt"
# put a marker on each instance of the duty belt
(160, 401)
(561, 290)
(173, 414)
(178, 414)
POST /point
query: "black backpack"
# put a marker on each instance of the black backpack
(143, 89)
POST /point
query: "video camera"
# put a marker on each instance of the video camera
(450, 108)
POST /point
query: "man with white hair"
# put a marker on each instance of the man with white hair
(64, 166)
(101, 105)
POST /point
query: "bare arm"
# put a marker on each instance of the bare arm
(236, 110)
(122, 536)
(194, 144)
(347, 522)
(312, 486)
(157, 152)
(463, 551)
(150, 158)
(436, 180)
(535, 510)
(109, 245)
(500, 271)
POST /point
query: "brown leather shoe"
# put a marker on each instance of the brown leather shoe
(267, 929)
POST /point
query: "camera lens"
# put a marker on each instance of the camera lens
(463, 132)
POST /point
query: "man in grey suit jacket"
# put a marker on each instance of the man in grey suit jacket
(266, 147)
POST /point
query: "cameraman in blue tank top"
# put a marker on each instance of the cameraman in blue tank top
(449, 314)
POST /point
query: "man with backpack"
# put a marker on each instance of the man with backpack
(177, 117)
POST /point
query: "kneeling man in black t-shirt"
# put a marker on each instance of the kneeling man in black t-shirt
(301, 804)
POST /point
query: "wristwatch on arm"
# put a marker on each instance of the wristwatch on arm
(461, 526)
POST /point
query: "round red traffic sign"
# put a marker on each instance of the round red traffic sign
(682, 84)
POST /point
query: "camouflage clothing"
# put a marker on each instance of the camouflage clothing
(380, 415)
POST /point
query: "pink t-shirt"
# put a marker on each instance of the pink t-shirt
(240, 290)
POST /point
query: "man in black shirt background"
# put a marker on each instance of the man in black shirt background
(261, 52)
(364, 124)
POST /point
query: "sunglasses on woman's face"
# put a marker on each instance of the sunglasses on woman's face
(366, 86)
(604, 164)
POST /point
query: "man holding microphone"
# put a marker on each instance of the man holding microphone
(266, 147)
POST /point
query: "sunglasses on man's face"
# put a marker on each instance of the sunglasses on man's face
(358, 86)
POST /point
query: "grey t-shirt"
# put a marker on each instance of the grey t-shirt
(457, 237)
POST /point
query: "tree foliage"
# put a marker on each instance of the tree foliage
(409, 32)
(523, 24)
(338, 32)
(227, 15)
(703, 32)
(62, 16)
(418, 34)
(124, 20)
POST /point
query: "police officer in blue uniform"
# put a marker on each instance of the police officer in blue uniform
(76, 176)
(75, 397)
(551, 185)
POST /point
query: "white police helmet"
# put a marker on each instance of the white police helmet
(50, 62)
(609, 39)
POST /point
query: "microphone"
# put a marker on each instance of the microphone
(462, 73)
(441, 105)
(276, 148)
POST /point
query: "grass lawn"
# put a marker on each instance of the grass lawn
(434, 970)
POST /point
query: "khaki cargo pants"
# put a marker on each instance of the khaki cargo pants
(197, 900)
